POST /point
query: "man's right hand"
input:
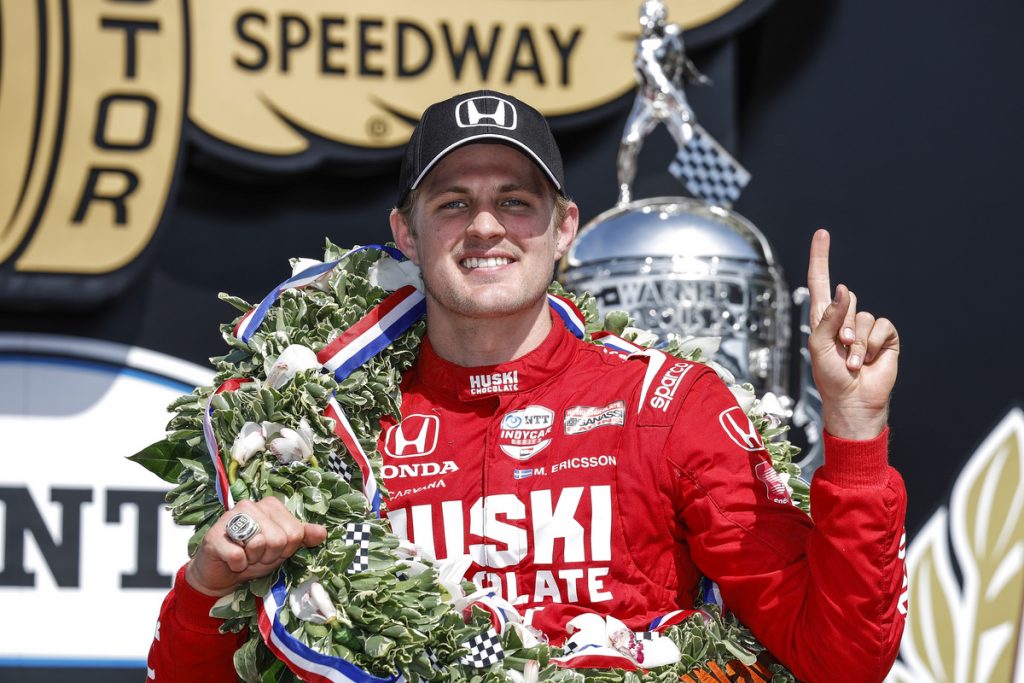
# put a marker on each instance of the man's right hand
(220, 564)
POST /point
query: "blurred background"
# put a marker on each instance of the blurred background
(155, 153)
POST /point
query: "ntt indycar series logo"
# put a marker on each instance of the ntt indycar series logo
(526, 432)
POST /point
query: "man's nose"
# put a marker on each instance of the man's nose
(486, 225)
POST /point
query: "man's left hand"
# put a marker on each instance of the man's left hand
(853, 354)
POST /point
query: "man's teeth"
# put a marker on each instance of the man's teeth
(485, 262)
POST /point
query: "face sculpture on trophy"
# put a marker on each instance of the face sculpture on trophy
(691, 267)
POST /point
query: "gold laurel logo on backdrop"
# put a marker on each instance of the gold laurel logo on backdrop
(91, 110)
(969, 629)
(93, 93)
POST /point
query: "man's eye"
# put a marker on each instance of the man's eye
(514, 201)
(454, 204)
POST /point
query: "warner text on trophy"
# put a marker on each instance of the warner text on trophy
(691, 266)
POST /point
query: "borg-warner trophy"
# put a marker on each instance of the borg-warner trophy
(692, 267)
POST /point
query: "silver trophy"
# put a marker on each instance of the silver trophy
(692, 267)
(680, 266)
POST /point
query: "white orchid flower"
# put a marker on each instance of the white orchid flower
(708, 346)
(528, 635)
(531, 671)
(407, 550)
(462, 601)
(722, 372)
(639, 337)
(744, 395)
(293, 359)
(390, 274)
(771, 407)
(301, 264)
(310, 602)
(450, 572)
(271, 429)
(251, 440)
(412, 567)
(408, 557)
(293, 445)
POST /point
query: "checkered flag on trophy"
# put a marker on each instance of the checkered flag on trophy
(484, 650)
(708, 171)
(358, 534)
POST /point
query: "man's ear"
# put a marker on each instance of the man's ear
(566, 232)
(402, 232)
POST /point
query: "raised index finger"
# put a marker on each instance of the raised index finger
(818, 283)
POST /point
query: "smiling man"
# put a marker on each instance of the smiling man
(483, 213)
(580, 481)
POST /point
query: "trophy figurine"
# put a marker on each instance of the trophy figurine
(661, 64)
(691, 266)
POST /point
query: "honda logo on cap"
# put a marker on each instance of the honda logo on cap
(486, 111)
(413, 437)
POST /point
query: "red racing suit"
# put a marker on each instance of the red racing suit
(579, 480)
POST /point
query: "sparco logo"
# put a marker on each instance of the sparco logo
(414, 436)
(740, 429)
(496, 382)
(486, 111)
(668, 385)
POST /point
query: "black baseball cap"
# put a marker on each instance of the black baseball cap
(480, 116)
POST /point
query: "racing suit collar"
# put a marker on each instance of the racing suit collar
(522, 374)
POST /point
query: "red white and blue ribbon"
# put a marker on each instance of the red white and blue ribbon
(671, 619)
(305, 662)
(614, 341)
(500, 610)
(374, 332)
(343, 430)
(221, 482)
(569, 314)
(252, 320)
(712, 595)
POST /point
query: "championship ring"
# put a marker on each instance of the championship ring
(241, 528)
